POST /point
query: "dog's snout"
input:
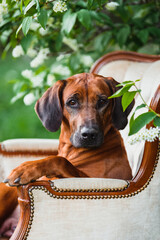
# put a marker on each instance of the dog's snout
(89, 133)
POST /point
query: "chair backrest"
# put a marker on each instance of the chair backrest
(124, 66)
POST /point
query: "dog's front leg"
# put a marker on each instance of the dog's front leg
(51, 166)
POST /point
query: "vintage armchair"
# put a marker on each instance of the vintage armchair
(92, 209)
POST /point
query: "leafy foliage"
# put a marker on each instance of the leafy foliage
(127, 97)
(61, 38)
(76, 33)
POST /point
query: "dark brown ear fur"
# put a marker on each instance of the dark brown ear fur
(119, 118)
(49, 108)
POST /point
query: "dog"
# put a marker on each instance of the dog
(90, 144)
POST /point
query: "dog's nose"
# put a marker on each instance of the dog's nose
(89, 133)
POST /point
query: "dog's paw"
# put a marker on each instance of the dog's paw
(25, 173)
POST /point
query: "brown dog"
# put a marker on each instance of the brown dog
(90, 143)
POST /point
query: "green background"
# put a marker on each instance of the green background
(17, 120)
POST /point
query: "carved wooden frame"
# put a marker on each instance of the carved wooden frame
(135, 186)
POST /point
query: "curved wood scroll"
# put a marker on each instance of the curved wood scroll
(138, 184)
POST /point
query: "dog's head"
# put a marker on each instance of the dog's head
(82, 103)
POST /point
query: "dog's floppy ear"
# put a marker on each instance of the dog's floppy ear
(49, 107)
(119, 118)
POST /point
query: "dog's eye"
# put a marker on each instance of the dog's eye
(72, 103)
(102, 102)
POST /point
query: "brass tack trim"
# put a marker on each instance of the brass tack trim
(56, 189)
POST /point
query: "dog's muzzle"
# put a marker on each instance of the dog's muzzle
(87, 137)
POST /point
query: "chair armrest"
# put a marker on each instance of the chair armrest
(29, 145)
(13, 152)
(80, 208)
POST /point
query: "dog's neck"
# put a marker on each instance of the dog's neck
(86, 158)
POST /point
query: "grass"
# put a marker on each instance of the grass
(17, 120)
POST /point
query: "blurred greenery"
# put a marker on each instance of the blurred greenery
(51, 40)
(17, 120)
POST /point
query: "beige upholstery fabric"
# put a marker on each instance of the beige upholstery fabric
(30, 144)
(9, 163)
(136, 217)
(92, 183)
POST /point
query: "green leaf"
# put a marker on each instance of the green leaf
(68, 22)
(26, 2)
(37, 5)
(140, 106)
(157, 121)
(143, 35)
(101, 41)
(18, 96)
(124, 83)
(123, 34)
(19, 28)
(26, 42)
(127, 98)
(29, 6)
(90, 3)
(58, 43)
(21, 5)
(85, 18)
(140, 122)
(121, 91)
(106, 18)
(43, 18)
(131, 120)
(141, 13)
(26, 23)
(132, 117)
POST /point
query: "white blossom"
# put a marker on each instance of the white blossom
(111, 6)
(50, 79)
(17, 51)
(60, 69)
(31, 52)
(60, 6)
(50, 22)
(87, 60)
(43, 31)
(34, 26)
(70, 42)
(29, 99)
(37, 80)
(3, 9)
(148, 135)
(27, 74)
(60, 57)
(39, 59)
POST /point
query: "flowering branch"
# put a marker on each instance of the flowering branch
(136, 124)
